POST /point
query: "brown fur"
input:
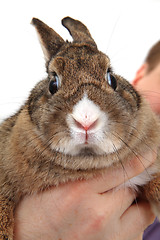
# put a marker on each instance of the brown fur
(28, 164)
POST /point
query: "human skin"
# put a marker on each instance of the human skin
(90, 210)
(148, 84)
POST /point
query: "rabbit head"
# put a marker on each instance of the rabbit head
(82, 108)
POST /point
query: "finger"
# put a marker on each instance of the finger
(137, 218)
(118, 201)
(140, 237)
(115, 176)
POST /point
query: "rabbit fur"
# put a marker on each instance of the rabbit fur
(78, 122)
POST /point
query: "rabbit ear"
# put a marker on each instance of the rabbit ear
(78, 30)
(49, 39)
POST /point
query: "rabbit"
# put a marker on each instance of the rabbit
(79, 121)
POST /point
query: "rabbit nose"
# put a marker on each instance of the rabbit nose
(86, 124)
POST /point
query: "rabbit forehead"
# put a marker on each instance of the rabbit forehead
(79, 56)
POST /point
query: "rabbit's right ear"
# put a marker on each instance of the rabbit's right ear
(49, 39)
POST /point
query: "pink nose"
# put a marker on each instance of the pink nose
(86, 125)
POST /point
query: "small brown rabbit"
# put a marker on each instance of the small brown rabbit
(76, 123)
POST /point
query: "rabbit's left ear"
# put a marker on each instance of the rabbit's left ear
(78, 31)
(50, 41)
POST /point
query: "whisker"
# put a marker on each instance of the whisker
(112, 33)
(136, 154)
(33, 139)
(132, 134)
(144, 143)
(126, 124)
(47, 145)
(150, 91)
(115, 150)
(125, 173)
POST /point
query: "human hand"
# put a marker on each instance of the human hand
(140, 237)
(90, 210)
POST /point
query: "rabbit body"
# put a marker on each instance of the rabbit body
(78, 122)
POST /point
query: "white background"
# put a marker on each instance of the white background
(123, 29)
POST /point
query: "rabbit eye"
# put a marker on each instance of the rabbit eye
(112, 81)
(54, 83)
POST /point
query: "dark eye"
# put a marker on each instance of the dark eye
(112, 81)
(54, 83)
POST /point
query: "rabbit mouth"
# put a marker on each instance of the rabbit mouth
(93, 146)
